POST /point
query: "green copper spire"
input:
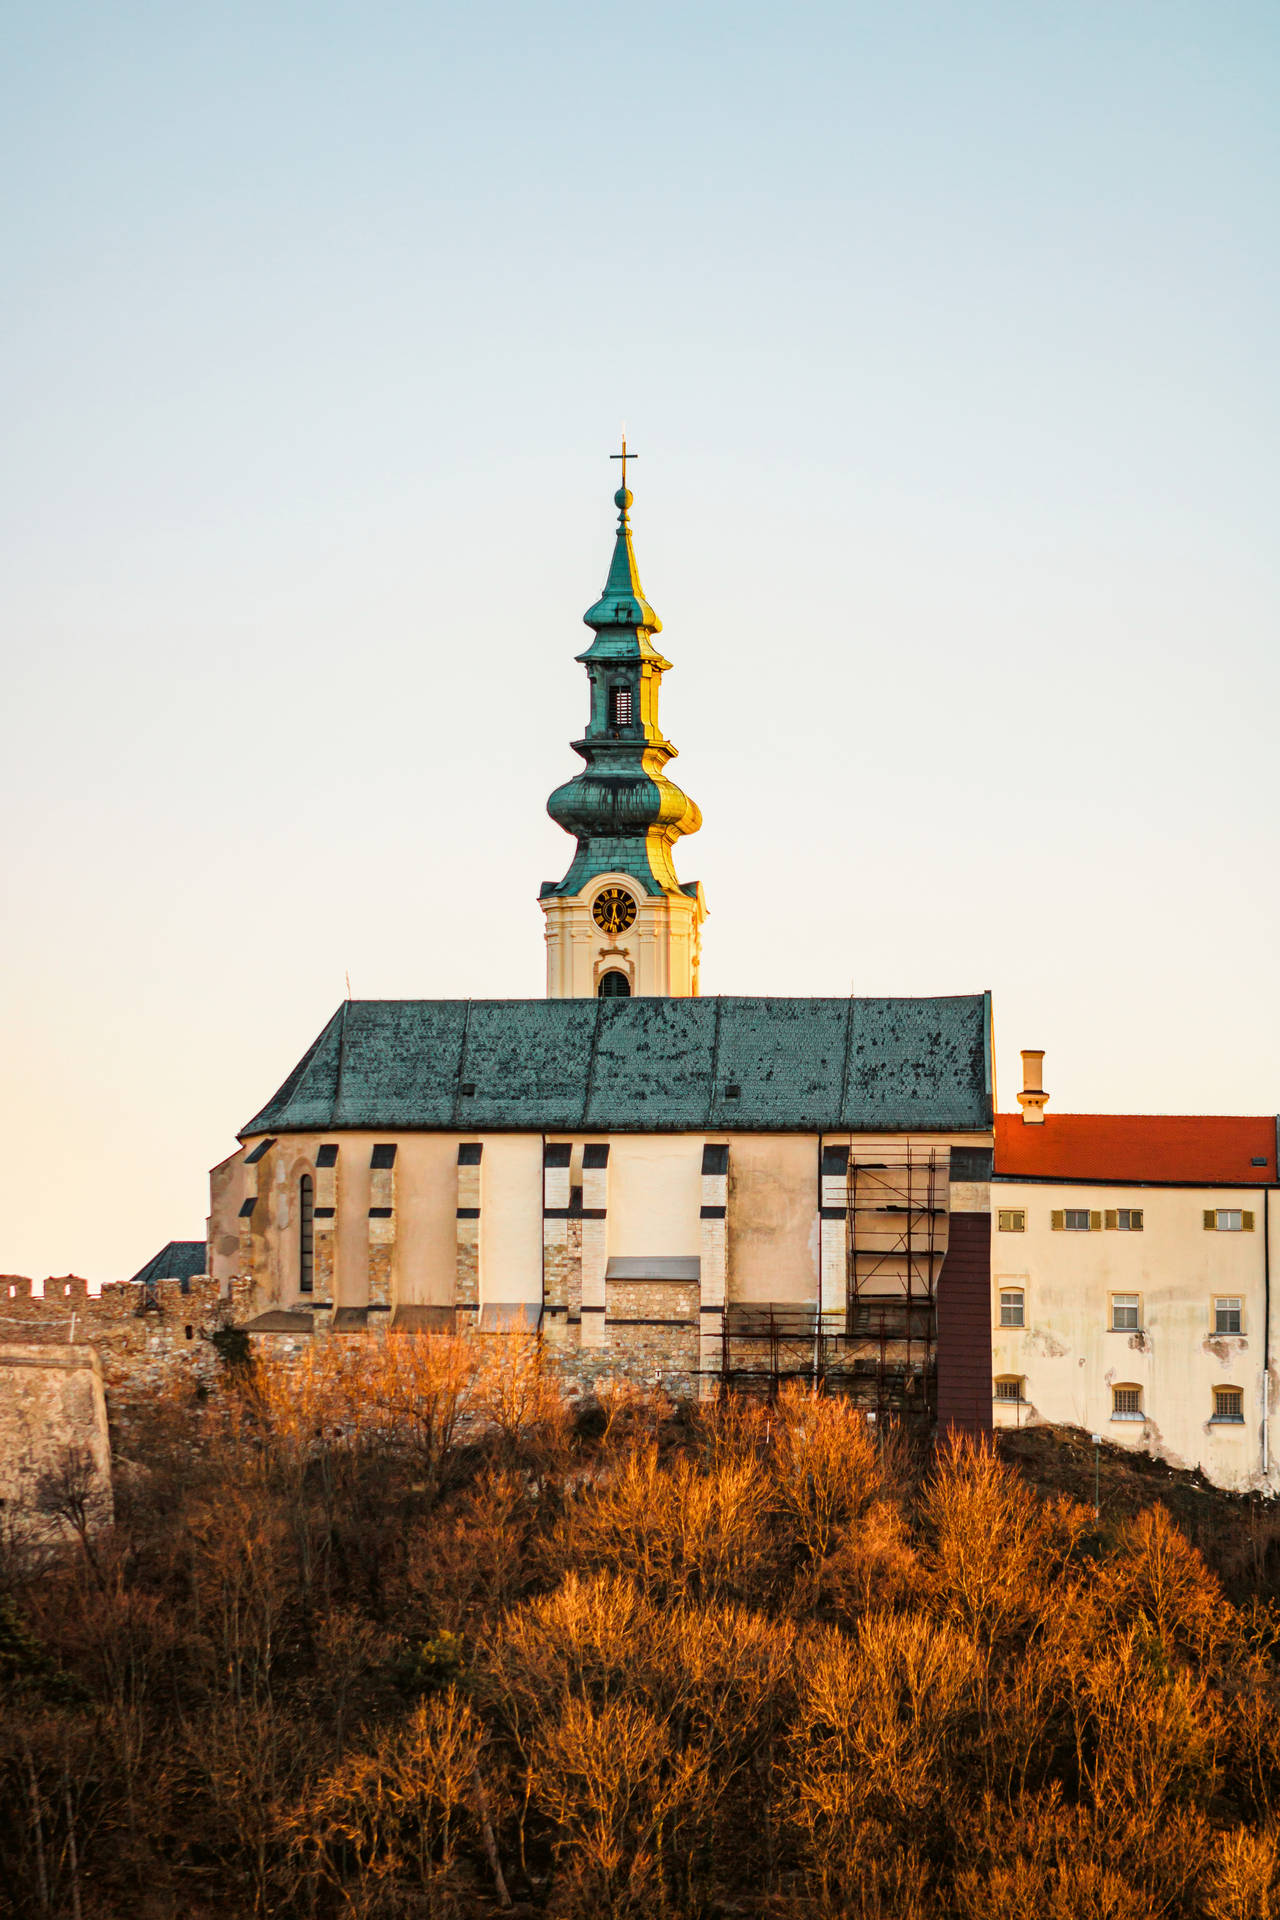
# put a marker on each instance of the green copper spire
(622, 603)
(624, 813)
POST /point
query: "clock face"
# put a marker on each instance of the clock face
(613, 910)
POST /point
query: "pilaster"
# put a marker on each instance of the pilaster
(557, 1260)
(834, 1228)
(382, 1225)
(595, 1242)
(325, 1221)
(466, 1285)
(714, 1220)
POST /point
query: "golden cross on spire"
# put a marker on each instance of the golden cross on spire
(624, 456)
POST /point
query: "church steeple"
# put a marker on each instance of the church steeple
(624, 813)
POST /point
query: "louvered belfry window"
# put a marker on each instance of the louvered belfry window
(619, 706)
(306, 1234)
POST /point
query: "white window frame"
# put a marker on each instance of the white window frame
(1123, 1326)
(1225, 1303)
(1125, 1217)
(1075, 1219)
(1228, 1219)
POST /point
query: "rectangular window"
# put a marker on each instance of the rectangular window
(1228, 1406)
(1012, 1219)
(1129, 1219)
(1009, 1388)
(1124, 1313)
(1076, 1219)
(1228, 1220)
(1126, 1403)
(1228, 1315)
(619, 706)
(1011, 1307)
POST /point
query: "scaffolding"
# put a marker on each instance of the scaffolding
(880, 1348)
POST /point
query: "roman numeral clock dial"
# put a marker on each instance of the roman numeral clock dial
(613, 910)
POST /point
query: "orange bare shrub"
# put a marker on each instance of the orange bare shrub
(885, 1714)
(381, 1831)
(618, 1791)
(521, 1401)
(681, 1530)
(1244, 1880)
(719, 1678)
(825, 1466)
(874, 1565)
(1148, 1736)
(995, 1561)
(1156, 1580)
(466, 1558)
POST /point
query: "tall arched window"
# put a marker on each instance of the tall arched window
(614, 986)
(306, 1234)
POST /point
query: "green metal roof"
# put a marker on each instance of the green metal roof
(642, 1066)
(622, 605)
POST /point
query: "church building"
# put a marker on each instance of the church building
(685, 1190)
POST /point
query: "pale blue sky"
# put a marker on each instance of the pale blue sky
(947, 336)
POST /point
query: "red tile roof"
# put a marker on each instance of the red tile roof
(1211, 1150)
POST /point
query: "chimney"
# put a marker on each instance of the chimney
(1033, 1099)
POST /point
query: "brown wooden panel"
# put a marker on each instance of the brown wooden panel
(964, 1327)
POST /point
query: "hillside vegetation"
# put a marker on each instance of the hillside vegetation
(394, 1632)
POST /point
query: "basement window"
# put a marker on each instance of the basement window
(1011, 1307)
(1228, 1315)
(1228, 1406)
(1009, 1388)
(1126, 1403)
(1012, 1220)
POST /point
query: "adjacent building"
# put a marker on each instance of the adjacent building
(1131, 1279)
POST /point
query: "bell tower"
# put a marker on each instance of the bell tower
(620, 922)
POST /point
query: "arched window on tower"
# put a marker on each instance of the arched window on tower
(614, 986)
(306, 1234)
(619, 706)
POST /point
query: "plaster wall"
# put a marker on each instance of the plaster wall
(655, 1194)
(773, 1218)
(1070, 1359)
(511, 1218)
(226, 1191)
(426, 1224)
